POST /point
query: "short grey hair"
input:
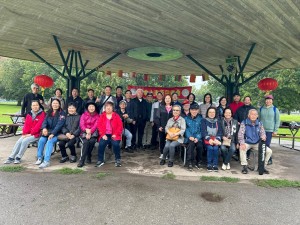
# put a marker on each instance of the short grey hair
(178, 106)
(252, 110)
(35, 85)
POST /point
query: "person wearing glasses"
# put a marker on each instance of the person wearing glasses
(174, 129)
(28, 98)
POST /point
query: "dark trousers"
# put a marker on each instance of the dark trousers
(162, 141)
(268, 140)
(190, 151)
(138, 128)
(154, 135)
(115, 145)
(87, 148)
(71, 146)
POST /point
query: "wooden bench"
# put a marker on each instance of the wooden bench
(284, 136)
(8, 130)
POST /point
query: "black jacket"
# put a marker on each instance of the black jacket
(131, 109)
(242, 112)
(120, 113)
(26, 105)
(234, 129)
(79, 103)
(162, 116)
(72, 125)
(141, 113)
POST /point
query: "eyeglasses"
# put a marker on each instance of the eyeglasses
(176, 110)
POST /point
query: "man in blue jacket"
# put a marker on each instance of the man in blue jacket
(193, 136)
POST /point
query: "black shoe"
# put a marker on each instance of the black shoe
(209, 168)
(198, 165)
(73, 158)
(170, 164)
(162, 162)
(99, 164)
(244, 170)
(129, 150)
(270, 162)
(80, 164)
(266, 171)
(216, 169)
(64, 159)
(88, 160)
(190, 166)
(118, 163)
(153, 147)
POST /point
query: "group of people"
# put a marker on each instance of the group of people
(165, 124)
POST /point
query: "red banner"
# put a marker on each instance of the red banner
(182, 92)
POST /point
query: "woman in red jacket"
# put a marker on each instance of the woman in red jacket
(89, 133)
(110, 129)
(31, 132)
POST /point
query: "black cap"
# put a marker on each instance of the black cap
(194, 106)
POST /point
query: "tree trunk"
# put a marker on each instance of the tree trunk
(19, 102)
(289, 112)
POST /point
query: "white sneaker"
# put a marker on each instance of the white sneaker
(161, 156)
(38, 162)
(44, 165)
(223, 167)
(228, 166)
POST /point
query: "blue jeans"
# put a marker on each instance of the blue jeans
(227, 152)
(115, 145)
(128, 136)
(48, 149)
(268, 138)
(212, 155)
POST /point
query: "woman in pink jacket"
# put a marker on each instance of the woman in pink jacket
(89, 133)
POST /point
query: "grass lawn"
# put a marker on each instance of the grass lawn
(8, 108)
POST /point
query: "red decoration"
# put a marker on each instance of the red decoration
(161, 77)
(267, 84)
(146, 77)
(120, 73)
(178, 78)
(43, 81)
(192, 78)
(108, 73)
(205, 77)
(133, 74)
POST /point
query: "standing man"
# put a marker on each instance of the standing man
(77, 100)
(242, 112)
(236, 103)
(34, 95)
(155, 107)
(270, 118)
(140, 118)
(148, 128)
(91, 96)
(175, 100)
(119, 95)
(106, 97)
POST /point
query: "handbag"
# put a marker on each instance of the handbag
(173, 130)
(207, 141)
(227, 142)
(94, 135)
(62, 137)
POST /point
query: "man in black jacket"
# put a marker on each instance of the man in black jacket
(77, 100)
(242, 112)
(34, 95)
(140, 118)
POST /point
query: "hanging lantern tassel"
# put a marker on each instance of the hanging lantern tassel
(120, 73)
(133, 74)
(146, 77)
(108, 73)
(192, 78)
(178, 78)
(43, 91)
(205, 77)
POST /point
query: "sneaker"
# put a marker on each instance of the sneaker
(209, 168)
(162, 162)
(99, 164)
(216, 169)
(161, 156)
(244, 170)
(228, 166)
(64, 159)
(270, 162)
(118, 163)
(38, 162)
(224, 166)
(44, 165)
(73, 158)
(17, 160)
(9, 161)
(190, 167)
(170, 164)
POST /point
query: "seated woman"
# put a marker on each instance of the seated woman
(175, 129)
(70, 132)
(110, 129)
(89, 133)
(211, 130)
(30, 133)
(230, 129)
(51, 128)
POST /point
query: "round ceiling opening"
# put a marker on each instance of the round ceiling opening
(154, 53)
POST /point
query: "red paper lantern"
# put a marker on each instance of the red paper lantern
(108, 73)
(192, 78)
(120, 73)
(161, 77)
(133, 74)
(267, 84)
(146, 77)
(43, 81)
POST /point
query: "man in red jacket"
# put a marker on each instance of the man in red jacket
(30, 133)
(110, 129)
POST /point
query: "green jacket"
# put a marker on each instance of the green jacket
(270, 121)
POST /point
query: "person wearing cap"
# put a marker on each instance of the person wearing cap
(77, 100)
(155, 107)
(193, 137)
(236, 103)
(185, 108)
(89, 132)
(269, 115)
(207, 102)
(242, 112)
(34, 95)
(148, 128)
(126, 120)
